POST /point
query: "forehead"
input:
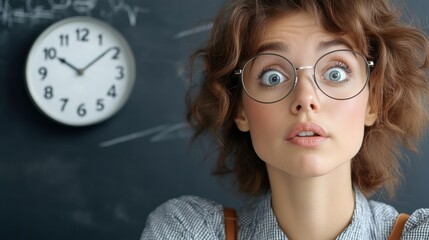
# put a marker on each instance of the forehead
(297, 31)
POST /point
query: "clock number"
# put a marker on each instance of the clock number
(100, 105)
(81, 111)
(50, 53)
(100, 39)
(121, 72)
(49, 92)
(112, 91)
(64, 100)
(43, 72)
(64, 40)
(117, 51)
(82, 34)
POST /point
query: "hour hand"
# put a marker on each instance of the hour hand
(64, 61)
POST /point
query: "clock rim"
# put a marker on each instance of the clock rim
(131, 67)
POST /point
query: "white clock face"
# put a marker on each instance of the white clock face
(80, 71)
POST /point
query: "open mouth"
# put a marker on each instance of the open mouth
(307, 134)
(304, 130)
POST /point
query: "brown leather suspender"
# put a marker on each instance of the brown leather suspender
(231, 226)
(399, 226)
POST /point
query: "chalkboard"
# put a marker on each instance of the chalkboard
(101, 182)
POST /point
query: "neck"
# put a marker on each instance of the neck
(312, 208)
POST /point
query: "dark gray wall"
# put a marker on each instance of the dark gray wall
(100, 182)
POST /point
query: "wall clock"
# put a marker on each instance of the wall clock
(80, 71)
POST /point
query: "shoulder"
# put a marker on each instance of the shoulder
(416, 227)
(189, 205)
(187, 217)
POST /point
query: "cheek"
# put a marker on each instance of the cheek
(267, 123)
(348, 123)
(348, 113)
(355, 110)
(264, 117)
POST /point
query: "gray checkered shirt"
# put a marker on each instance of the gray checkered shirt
(192, 217)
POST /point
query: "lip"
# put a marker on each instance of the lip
(310, 141)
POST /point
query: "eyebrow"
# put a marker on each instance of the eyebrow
(333, 43)
(283, 47)
(273, 46)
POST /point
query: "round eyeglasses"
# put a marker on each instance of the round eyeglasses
(340, 74)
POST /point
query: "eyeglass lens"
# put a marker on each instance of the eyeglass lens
(340, 74)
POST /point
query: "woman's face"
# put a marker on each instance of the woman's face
(307, 134)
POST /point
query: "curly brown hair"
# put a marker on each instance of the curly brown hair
(398, 85)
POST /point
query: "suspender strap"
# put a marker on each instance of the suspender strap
(399, 226)
(230, 216)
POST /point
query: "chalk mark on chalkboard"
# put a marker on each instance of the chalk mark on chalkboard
(53, 9)
(198, 29)
(160, 133)
(175, 131)
(10, 15)
(132, 11)
(132, 136)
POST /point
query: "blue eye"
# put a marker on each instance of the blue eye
(336, 74)
(272, 78)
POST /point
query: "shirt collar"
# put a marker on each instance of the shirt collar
(360, 226)
(267, 227)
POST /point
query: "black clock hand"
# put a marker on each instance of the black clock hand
(64, 61)
(96, 59)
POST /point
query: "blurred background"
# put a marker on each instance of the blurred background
(101, 181)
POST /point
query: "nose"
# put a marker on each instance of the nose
(305, 95)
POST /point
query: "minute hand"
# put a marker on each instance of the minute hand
(96, 59)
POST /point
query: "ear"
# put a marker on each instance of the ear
(241, 120)
(370, 115)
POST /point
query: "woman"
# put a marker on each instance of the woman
(308, 101)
